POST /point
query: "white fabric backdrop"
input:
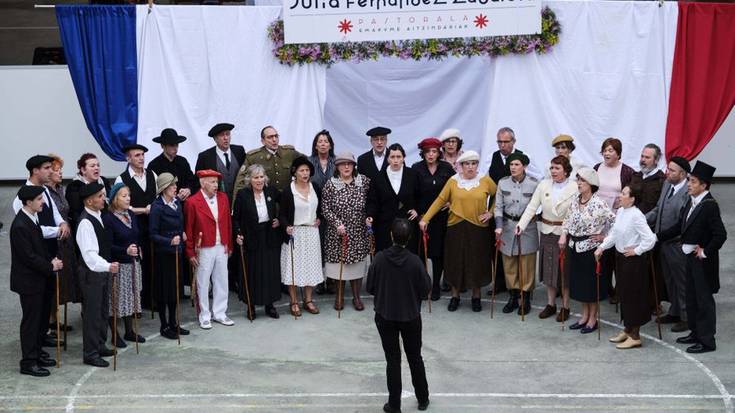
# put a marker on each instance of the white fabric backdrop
(608, 76)
(199, 65)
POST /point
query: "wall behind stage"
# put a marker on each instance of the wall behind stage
(39, 113)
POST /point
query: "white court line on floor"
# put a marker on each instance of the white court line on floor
(724, 395)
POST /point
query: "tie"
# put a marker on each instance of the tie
(671, 193)
(227, 161)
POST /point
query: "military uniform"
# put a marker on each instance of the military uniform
(276, 166)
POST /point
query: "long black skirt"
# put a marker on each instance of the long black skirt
(264, 268)
(164, 279)
(467, 256)
(582, 279)
(632, 287)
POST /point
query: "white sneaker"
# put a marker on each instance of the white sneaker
(206, 324)
(224, 321)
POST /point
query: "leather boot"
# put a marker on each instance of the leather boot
(512, 303)
(526, 303)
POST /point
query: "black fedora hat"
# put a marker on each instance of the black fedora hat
(169, 137)
(219, 128)
(703, 171)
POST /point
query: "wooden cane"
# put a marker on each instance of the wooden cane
(66, 296)
(153, 306)
(562, 257)
(520, 278)
(340, 287)
(135, 302)
(114, 323)
(293, 274)
(655, 294)
(425, 238)
(58, 328)
(494, 266)
(598, 271)
(245, 283)
(178, 327)
(196, 253)
(192, 285)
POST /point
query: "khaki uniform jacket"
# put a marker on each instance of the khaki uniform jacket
(277, 166)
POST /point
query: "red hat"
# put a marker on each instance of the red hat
(430, 143)
(204, 173)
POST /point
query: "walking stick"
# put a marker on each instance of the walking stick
(66, 296)
(562, 257)
(135, 302)
(655, 294)
(114, 323)
(151, 291)
(520, 279)
(245, 283)
(425, 238)
(340, 287)
(293, 273)
(196, 252)
(494, 266)
(598, 273)
(178, 327)
(58, 332)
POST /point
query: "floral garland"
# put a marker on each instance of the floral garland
(431, 49)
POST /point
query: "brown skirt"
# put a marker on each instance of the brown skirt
(632, 287)
(467, 256)
(549, 261)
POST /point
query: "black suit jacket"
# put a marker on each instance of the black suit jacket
(245, 217)
(208, 159)
(704, 228)
(366, 164)
(498, 169)
(384, 205)
(30, 266)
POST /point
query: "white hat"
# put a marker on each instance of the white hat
(589, 175)
(449, 133)
(468, 156)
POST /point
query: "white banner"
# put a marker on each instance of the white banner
(332, 21)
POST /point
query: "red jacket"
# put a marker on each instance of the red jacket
(199, 218)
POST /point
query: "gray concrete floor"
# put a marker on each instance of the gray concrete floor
(322, 363)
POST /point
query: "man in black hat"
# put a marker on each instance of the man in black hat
(31, 268)
(671, 259)
(702, 235)
(223, 157)
(374, 161)
(95, 247)
(170, 161)
(141, 183)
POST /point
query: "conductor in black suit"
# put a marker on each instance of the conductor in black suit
(223, 157)
(702, 235)
(31, 270)
(375, 160)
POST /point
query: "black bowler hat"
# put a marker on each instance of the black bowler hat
(378, 131)
(703, 171)
(134, 146)
(169, 137)
(682, 162)
(219, 128)
(90, 189)
(36, 161)
(28, 192)
(301, 160)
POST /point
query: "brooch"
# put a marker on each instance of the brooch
(269, 199)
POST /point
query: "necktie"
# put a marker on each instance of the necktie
(227, 161)
(671, 193)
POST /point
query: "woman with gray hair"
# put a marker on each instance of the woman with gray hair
(255, 222)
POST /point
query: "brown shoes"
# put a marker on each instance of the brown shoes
(357, 304)
(311, 307)
(547, 312)
(563, 315)
(295, 310)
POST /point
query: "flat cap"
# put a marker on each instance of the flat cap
(682, 162)
(36, 161)
(134, 146)
(208, 173)
(378, 131)
(28, 192)
(90, 189)
(561, 138)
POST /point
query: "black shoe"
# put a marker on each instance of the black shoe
(120, 343)
(35, 371)
(690, 339)
(49, 341)
(131, 337)
(476, 305)
(106, 352)
(512, 303)
(168, 333)
(669, 319)
(388, 409)
(453, 304)
(424, 405)
(435, 294)
(271, 311)
(576, 326)
(52, 327)
(46, 362)
(587, 330)
(182, 330)
(98, 362)
(700, 348)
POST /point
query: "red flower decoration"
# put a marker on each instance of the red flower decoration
(345, 26)
(481, 21)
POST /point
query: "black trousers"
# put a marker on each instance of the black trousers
(30, 324)
(700, 304)
(96, 307)
(410, 331)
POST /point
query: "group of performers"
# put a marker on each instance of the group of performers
(274, 220)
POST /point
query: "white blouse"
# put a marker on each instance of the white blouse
(395, 178)
(630, 230)
(304, 208)
(262, 208)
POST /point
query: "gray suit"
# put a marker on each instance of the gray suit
(664, 215)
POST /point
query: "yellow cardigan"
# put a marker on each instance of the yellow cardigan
(464, 204)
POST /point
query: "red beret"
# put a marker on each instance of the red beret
(430, 143)
(204, 173)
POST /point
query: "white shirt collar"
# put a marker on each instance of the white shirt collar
(680, 185)
(131, 171)
(96, 214)
(375, 154)
(220, 152)
(650, 173)
(207, 197)
(697, 199)
(33, 216)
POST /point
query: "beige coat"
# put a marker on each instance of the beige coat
(551, 211)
